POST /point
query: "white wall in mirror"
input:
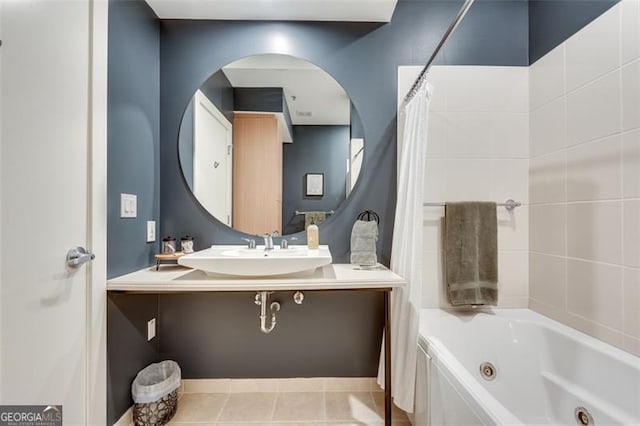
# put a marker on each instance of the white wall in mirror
(312, 95)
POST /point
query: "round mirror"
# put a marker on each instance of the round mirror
(270, 143)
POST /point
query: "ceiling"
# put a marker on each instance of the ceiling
(307, 88)
(281, 10)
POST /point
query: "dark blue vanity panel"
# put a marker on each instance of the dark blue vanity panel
(128, 350)
(551, 22)
(332, 334)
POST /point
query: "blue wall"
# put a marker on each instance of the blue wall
(551, 22)
(133, 148)
(133, 161)
(363, 58)
(315, 149)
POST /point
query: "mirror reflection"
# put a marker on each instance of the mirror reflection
(270, 143)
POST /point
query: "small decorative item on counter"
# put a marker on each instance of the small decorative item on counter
(168, 245)
(313, 237)
(186, 244)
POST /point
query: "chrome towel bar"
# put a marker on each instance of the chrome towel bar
(298, 212)
(510, 204)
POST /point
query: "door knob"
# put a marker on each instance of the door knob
(79, 255)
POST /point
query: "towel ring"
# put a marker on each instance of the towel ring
(369, 215)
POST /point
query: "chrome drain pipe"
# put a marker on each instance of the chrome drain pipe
(262, 300)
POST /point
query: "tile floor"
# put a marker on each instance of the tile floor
(289, 403)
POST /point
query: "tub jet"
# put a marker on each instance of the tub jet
(487, 371)
(583, 416)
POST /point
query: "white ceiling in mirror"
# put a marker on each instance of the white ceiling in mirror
(313, 96)
(280, 10)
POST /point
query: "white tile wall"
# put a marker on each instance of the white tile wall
(548, 228)
(631, 96)
(478, 149)
(594, 170)
(547, 78)
(594, 291)
(548, 280)
(631, 226)
(632, 302)
(594, 231)
(548, 127)
(548, 178)
(594, 51)
(563, 135)
(630, 36)
(585, 179)
(593, 111)
(631, 163)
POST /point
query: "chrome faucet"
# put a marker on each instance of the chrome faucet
(251, 243)
(268, 239)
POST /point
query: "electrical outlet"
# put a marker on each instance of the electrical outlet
(151, 231)
(128, 206)
(151, 329)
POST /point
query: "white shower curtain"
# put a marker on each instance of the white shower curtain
(406, 252)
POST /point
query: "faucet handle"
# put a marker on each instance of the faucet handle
(251, 242)
(284, 243)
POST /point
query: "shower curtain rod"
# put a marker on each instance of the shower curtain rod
(416, 84)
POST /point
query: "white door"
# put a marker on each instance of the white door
(212, 158)
(52, 192)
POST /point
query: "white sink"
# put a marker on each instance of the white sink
(245, 262)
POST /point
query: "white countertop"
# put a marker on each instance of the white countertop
(339, 276)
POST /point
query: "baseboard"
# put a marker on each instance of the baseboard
(310, 384)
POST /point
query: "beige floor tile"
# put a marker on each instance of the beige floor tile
(299, 406)
(351, 407)
(396, 413)
(248, 407)
(199, 407)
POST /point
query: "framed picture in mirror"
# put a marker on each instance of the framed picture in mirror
(314, 184)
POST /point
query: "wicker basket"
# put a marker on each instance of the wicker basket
(156, 413)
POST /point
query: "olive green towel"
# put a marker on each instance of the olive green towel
(471, 253)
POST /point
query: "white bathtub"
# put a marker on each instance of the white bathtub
(544, 371)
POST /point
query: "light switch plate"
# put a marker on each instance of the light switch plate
(128, 206)
(151, 329)
(151, 231)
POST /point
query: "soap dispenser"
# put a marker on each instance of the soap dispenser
(313, 238)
